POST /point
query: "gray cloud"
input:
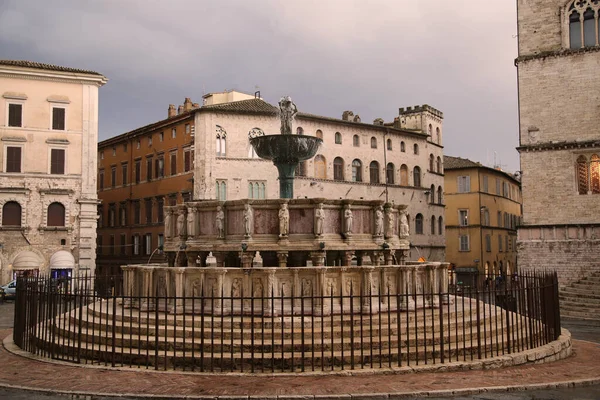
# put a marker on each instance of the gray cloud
(367, 56)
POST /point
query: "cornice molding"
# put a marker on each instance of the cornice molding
(555, 53)
(53, 78)
(553, 146)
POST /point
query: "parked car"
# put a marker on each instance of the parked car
(10, 290)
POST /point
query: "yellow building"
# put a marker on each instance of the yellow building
(483, 210)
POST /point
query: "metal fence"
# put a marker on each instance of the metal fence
(67, 320)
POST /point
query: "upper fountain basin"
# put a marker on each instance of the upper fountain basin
(286, 148)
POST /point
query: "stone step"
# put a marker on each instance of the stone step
(579, 314)
(582, 301)
(579, 291)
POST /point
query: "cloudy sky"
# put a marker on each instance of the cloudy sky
(369, 56)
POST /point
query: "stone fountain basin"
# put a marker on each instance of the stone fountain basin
(286, 148)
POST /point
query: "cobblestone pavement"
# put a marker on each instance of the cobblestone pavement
(20, 372)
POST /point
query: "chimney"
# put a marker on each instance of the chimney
(195, 105)
(172, 112)
(179, 110)
(357, 118)
(187, 104)
(347, 115)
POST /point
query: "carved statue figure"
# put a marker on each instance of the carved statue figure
(379, 221)
(403, 225)
(348, 219)
(247, 220)
(180, 224)
(306, 287)
(284, 220)
(319, 219)
(191, 222)
(168, 224)
(235, 288)
(287, 111)
(389, 222)
(220, 219)
(161, 290)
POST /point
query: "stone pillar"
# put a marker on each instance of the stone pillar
(271, 294)
(192, 257)
(318, 258)
(220, 256)
(177, 305)
(369, 297)
(128, 286)
(321, 303)
(147, 295)
(375, 258)
(347, 260)
(247, 257)
(388, 257)
(171, 258)
(219, 306)
(282, 256)
(409, 285)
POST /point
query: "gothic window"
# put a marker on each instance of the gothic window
(356, 171)
(440, 226)
(300, 169)
(433, 225)
(338, 138)
(319, 134)
(355, 141)
(430, 131)
(320, 167)
(431, 163)
(403, 175)
(419, 224)
(221, 190)
(373, 142)
(583, 19)
(374, 172)
(432, 194)
(56, 214)
(438, 138)
(439, 195)
(582, 175)
(299, 131)
(439, 165)
(595, 173)
(402, 147)
(389, 144)
(338, 169)
(221, 141)
(389, 174)
(417, 177)
(416, 148)
(11, 214)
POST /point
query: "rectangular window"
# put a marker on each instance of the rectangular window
(57, 161)
(499, 243)
(186, 196)
(138, 171)
(149, 169)
(149, 140)
(173, 163)
(161, 243)
(124, 147)
(160, 201)
(148, 208)
(114, 151)
(187, 128)
(137, 212)
(148, 244)
(174, 133)
(136, 245)
(187, 160)
(124, 173)
(161, 136)
(498, 186)
(13, 159)
(485, 184)
(464, 243)
(173, 200)
(111, 214)
(464, 184)
(506, 243)
(101, 179)
(488, 243)
(500, 218)
(160, 167)
(123, 244)
(123, 214)
(111, 248)
(15, 115)
(113, 176)
(58, 118)
(463, 217)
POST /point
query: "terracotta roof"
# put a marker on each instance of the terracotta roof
(458, 163)
(50, 67)
(252, 106)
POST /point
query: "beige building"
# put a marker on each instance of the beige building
(399, 161)
(483, 210)
(48, 201)
(559, 144)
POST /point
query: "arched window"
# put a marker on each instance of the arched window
(320, 167)
(221, 141)
(433, 225)
(589, 28)
(299, 131)
(338, 138)
(439, 165)
(374, 172)
(338, 169)
(417, 177)
(582, 175)
(355, 141)
(486, 217)
(438, 137)
(300, 169)
(431, 163)
(261, 191)
(221, 190)
(574, 29)
(439, 195)
(11, 214)
(356, 171)
(403, 175)
(440, 226)
(389, 174)
(416, 148)
(373, 142)
(419, 224)
(432, 194)
(389, 144)
(595, 173)
(319, 134)
(583, 17)
(56, 214)
(402, 147)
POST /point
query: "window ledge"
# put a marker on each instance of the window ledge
(54, 228)
(14, 139)
(13, 228)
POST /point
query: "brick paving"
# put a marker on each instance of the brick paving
(17, 371)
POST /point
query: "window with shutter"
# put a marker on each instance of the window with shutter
(138, 171)
(13, 159)
(11, 214)
(56, 214)
(187, 160)
(173, 163)
(58, 118)
(57, 161)
(124, 173)
(15, 115)
(149, 169)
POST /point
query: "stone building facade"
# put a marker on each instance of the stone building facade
(354, 162)
(48, 199)
(559, 136)
(483, 210)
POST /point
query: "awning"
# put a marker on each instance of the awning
(62, 259)
(26, 260)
